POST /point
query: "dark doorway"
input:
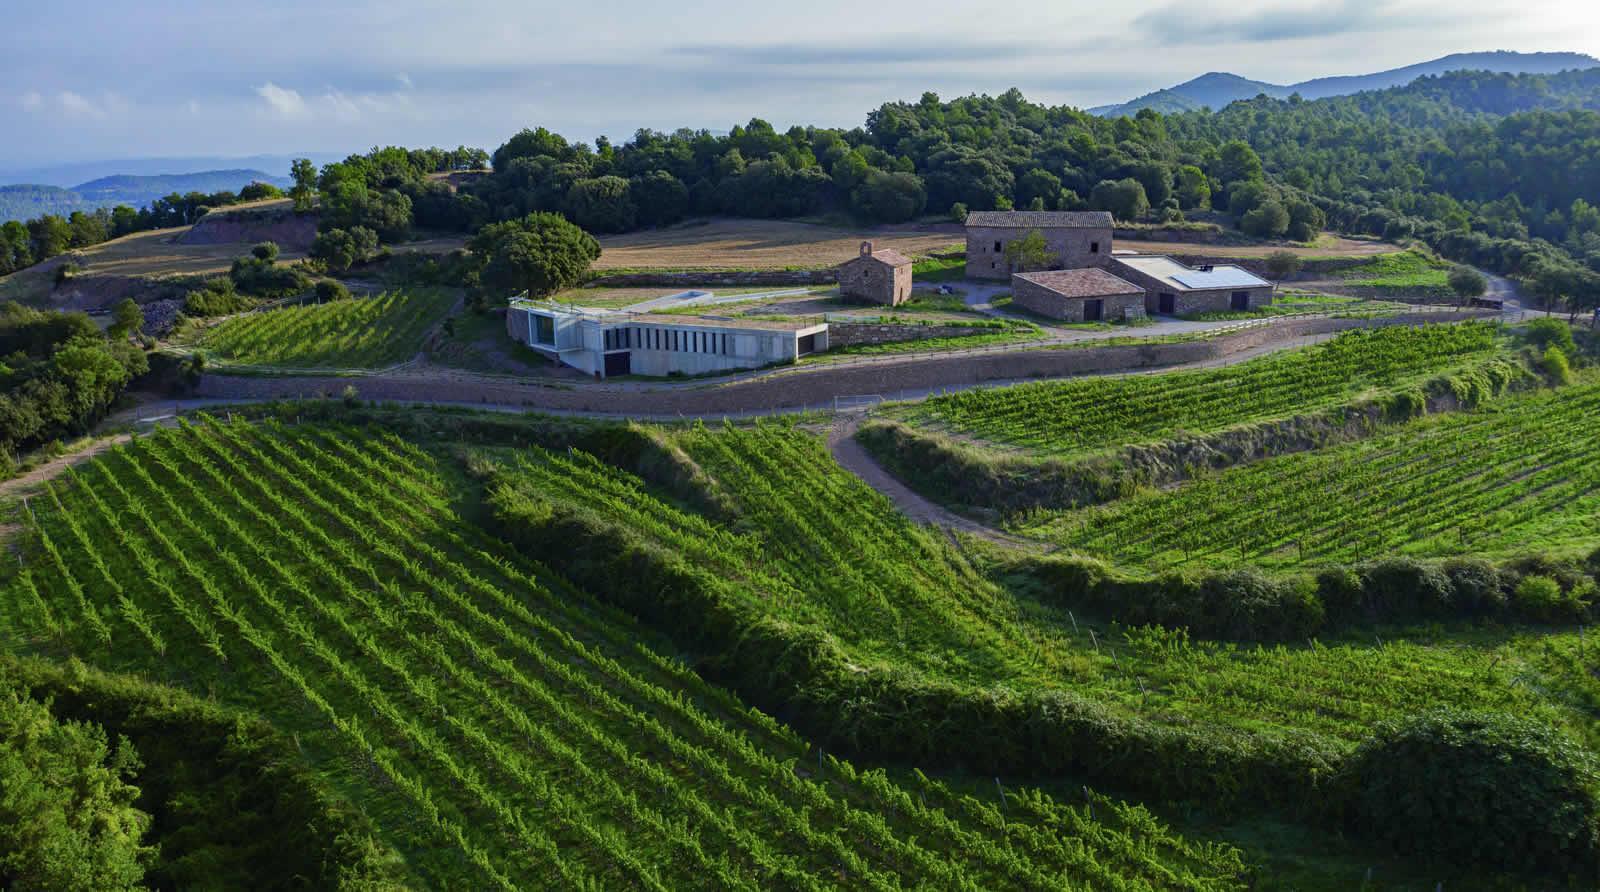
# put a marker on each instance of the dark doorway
(808, 344)
(1094, 310)
(1241, 300)
(1167, 303)
(619, 364)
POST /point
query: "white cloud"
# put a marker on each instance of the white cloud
(77, 106)
(283, 102)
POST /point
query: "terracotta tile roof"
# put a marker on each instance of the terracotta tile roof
(1090, 282)
(1041, 219)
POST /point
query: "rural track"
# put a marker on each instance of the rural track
(853, 457)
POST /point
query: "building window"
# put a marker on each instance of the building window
(1094, 247)
(997, 248)
(544, 330)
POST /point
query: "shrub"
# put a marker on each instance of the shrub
(217, 297)
(1541, 598)
(340, 249)
(328, 290)
(67, 815)
(1546, 332)
(958, 212)
(1283, 264)
(1402, 588)
(1475, 584)
(267, 251)
(1472, 787)
(1555, 366)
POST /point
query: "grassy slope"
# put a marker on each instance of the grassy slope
(498, 728)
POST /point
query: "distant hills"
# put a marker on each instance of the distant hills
(23, 201)
(1217, 89)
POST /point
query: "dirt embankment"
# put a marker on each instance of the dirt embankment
(291, 231)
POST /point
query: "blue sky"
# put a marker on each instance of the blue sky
(95, 79)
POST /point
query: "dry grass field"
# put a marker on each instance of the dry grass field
(728, 244)
(1328, 245)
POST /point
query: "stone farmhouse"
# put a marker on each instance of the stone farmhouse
(1076, 239)
(1176, 289)
(607, 343)
(1103, 282)
(1078, 295)
(876, 276)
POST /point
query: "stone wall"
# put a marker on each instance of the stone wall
(731, 279)
(855, 334)
(1039, 299)
(891, 377)
(1217, 301)
(1073, 248)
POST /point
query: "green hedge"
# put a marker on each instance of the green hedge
(1249, 605)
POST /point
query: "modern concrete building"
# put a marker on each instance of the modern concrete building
(1078, 295)
(1173, 288)
(604, 343)
(877, 276)
(1075, 239)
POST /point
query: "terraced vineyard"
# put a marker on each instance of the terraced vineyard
(1080, 415)
(817, 549)
(501, 729)
(369, 332)
(1520, 476)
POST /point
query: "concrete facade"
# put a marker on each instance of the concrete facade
(879, 277)
(1075, 239)
(1175, 289)
(605, 344)
(1078, 295)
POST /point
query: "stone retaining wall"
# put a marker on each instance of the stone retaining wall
(800, 388)
(853, 334)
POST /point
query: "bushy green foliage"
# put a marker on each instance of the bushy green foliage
(1556, 366)
(1546, 332)
(67, 815)
(58, 374)
(539, 253)
(340, 249)
(262, 277)
(1474, 787)
(1267, 220)
(267, 251)
(328, 290)
(216, 297)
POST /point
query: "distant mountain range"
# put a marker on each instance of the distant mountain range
(27, 200)
(1217, 89)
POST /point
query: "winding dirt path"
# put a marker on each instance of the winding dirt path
(30, 480)
(851, 456)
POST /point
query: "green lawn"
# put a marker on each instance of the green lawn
(1405, 272)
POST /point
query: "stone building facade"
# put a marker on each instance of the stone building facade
(1175, 289)
(876, 276)
(1078, 295)
(1075, 239)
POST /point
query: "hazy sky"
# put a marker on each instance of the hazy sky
(95, 79)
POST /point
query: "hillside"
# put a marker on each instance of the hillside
(1216, 89)
(25, 200)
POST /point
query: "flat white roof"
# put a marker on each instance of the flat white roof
(1186, 278)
